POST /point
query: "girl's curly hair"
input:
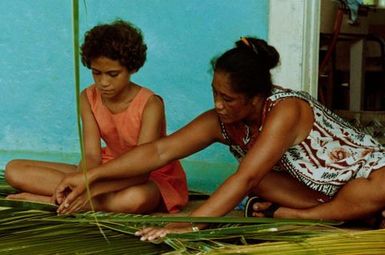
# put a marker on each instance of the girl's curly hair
(120, 41)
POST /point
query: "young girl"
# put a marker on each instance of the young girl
(122, 114)
(292, 151)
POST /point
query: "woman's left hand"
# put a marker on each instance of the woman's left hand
(155, 233)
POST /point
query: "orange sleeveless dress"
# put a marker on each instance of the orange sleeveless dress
(120, 132)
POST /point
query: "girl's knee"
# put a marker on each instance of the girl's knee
(139, 204)
(11, 171)
(130, 201)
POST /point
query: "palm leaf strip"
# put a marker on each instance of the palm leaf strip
(357, 242)
(25, 232)
(34, 228)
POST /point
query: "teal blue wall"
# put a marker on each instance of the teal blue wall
(36, 73)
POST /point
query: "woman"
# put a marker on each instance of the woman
(121, 113)
(292, 151)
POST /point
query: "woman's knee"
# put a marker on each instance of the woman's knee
(377, 180)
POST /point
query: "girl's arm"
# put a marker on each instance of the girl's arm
(198, 134)
(153, 121)
(91, 135)
(91, 139)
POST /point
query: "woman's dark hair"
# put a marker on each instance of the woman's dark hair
(248, 65)
(120, 41)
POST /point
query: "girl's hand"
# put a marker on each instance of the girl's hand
(80, 203)
(155, 233)
(72, 186)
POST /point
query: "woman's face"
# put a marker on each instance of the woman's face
(110, 77)
(230, 106)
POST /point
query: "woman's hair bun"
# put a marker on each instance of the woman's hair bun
(262, 49)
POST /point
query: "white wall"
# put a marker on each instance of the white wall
(294, 31)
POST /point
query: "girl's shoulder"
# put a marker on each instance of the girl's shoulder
(142, 97)
(91, 93)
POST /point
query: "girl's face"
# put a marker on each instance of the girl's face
(110, 77)
(231, 106)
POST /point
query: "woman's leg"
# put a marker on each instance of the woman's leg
(359, 198)
(38, 178)
(285, 190)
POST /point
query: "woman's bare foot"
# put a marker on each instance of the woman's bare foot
(29, 197)
(376, 221)
(260, 208)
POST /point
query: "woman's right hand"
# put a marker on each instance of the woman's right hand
(153, 234)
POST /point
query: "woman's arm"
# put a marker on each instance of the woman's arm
(198, 134)
(288, 123)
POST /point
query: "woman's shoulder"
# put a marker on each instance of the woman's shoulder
(279, 92)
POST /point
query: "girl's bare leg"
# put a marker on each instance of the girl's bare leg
(142, 198)
(37, 179)
(137, 198)
(30, 197)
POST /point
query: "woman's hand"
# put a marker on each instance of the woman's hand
(155, 233)
(69, 190)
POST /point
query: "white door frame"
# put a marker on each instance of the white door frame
(294, 32)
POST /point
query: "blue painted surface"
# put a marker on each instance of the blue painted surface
(36, 72)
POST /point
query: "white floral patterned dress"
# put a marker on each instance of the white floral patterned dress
(333, 153)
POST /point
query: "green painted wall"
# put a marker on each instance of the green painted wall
(37, 115)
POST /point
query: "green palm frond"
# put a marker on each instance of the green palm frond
(33, 228)
(5, 189)
(26, 205)
(347, 242)
(30, 232)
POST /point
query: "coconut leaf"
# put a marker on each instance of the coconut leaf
(360, 242)
(116, 217)
(27, 231)
(27, 205)
(5, 189)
